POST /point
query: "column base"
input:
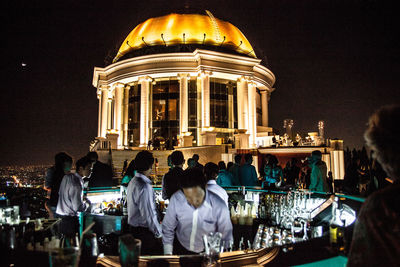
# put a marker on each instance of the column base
(209, 138)
(113, 139)
(242, 140)
(187, 141)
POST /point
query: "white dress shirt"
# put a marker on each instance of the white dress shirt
(141, 205)
(213, 187)
(190, 224)
(70, 199)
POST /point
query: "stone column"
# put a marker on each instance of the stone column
(110, 119)
(144, 110)
(104, 110)
(205, 98)
(125, 116)
(252, 130)
(118, 94)
(183, 103)
(231, 110)
(243, 103)
(264, 107)
(99, 116)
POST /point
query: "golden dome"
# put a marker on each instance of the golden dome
(174, 29)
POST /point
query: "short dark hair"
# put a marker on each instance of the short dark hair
(144, 160)
(221, 165)
(190, 161)
(193, 177)
(61, 158)
(195, 157)
(210, 170)
(177, 158)
(238, 158)
(229, 165)
(92, 155)
(247, 157)
(317, 153)
(82, 163)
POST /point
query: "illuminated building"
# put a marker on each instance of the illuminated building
(187, 76)
(192, 78)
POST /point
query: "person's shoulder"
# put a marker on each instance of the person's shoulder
(215, 200)
(177, 196)
(383, 200)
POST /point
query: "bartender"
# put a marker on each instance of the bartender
(142, 213)
(193, 212)
(70, 200)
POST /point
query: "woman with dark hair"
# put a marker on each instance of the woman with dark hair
(273, 173)
(129, 174)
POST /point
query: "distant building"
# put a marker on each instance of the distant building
(192, 77)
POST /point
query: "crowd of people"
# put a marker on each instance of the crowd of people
(198, 203)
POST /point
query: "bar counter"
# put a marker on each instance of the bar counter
(303, 251)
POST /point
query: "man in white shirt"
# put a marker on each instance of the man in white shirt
(142, 213)
(193, 212)
(70, 200)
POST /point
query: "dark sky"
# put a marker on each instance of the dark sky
(335, 61)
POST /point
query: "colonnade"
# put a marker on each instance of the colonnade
(114, 107)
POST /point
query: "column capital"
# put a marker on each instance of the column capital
(103, 86)
(145, 79)
(119, 85)
(243, 78)
(183, 75)
(203, 73)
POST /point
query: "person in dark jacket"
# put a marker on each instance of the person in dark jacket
(248, 174)
(102, 174)
(171, 179)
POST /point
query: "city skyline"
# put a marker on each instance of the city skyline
(334, 61)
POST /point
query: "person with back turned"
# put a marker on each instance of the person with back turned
(142, 213)
(53, 179)
(248, 174)
(376, 237)
(318, 172)
(102, 173)
(171, 180)
(211, 174)
(70, 200)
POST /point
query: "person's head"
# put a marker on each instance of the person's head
(93, 156)
(273, 160)
(248, 158)
(238, 158)
(191, 163)
(382, 137)
(144, 161)
(177, 158)
(221, 165)
(63, 162)
(211, 171)
(196, 157)
(229, 165)
(316, 156)
(83, 166)
(169, 161)
(131, 169)
(193, 185)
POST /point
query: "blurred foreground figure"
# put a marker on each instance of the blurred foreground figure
(376, 238)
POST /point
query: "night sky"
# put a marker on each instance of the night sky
(335, 61)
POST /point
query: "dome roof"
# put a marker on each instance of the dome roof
(178, 29)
